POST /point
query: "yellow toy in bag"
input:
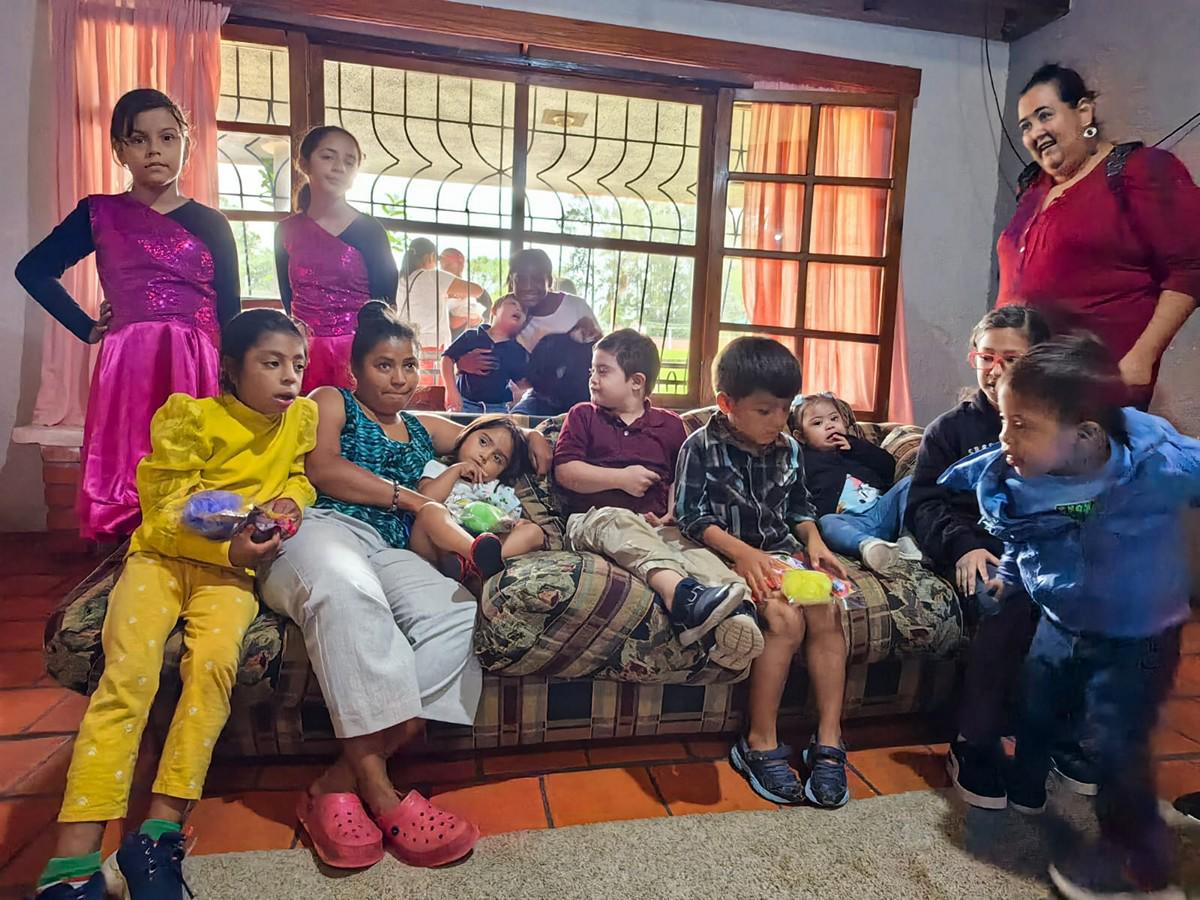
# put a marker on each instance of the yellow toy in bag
(806, 587)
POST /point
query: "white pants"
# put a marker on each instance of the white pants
(389, 637)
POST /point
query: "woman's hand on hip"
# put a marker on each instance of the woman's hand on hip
(101, 327)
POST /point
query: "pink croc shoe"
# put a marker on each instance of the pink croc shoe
(419, 834)
(341, 832)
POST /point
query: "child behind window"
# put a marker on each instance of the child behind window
(850, 480)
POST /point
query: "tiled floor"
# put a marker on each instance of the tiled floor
(251, 805)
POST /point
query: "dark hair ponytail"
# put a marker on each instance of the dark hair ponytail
(308, 146)
(377, 321)
(134, 103)
(243, 332)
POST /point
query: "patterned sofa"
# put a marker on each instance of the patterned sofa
(573, 650)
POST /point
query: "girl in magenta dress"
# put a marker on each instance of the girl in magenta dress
(168, 269)
(331, 259)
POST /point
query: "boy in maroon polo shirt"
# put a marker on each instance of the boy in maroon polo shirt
(615, 463)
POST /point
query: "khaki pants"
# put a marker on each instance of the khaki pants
(627, 539)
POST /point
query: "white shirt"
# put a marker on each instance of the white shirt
(426, 305)
(562, 320)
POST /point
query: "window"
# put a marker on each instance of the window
(689, 211)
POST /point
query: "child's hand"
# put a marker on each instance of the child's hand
(660, 521)
(971, 565)
(760, 570)
(636, 480)
(244, 553)
(101, 327)
(454, 402)
(821, 557)
(840, 442)
(469, 472)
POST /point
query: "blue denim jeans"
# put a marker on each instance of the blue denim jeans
(1118, 684)
(470, 406)
(843, 532)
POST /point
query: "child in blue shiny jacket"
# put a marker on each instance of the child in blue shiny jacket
(1088, 499)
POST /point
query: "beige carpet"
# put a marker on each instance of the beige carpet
(920, 845)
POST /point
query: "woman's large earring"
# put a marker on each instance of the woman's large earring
(1090, 132)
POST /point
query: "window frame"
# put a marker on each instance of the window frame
(714, 90)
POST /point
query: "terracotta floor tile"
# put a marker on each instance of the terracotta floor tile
(1183, 716)
(21, 820)
(534, 763)
(24, 868)
(19, 758)
(602, 795)
(64, 717)
(859, 789)
(273, 776)
(21, 668)
(22, 636)
(256, 820)
(895, 770)
(1178, 776)
(708, 748)
(703, 787)
(225, 777)
(1187, 681)
(1166, 741)
(642, 751)
(50, 776)
(497, 807)
(408, 772)
(20, 709)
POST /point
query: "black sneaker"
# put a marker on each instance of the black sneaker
(697, 609)
(826, 786)
(1074, 770)
(768, 772)
(153, 870)
(1026, 796)
(977, 775)
(1102, 870)
(92, 889)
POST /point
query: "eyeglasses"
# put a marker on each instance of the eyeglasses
(985, 362)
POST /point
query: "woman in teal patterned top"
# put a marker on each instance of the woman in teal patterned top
(389, 638)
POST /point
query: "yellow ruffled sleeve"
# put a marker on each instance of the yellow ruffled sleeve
(180, 447)
(298, 488)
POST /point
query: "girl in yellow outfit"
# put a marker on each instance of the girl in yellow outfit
(251, 440)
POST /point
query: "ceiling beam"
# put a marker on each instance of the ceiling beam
(559, 33)
(1006, 19)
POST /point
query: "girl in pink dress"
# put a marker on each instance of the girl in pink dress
(331, 259)
(168, 269)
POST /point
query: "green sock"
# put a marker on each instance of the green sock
(69, 868)
(156, 828)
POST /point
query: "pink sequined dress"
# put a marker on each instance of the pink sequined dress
(163, 339)
(329, 285)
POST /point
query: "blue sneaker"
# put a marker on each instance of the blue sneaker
(768, 772)
(153, 870)
(93, 889)
(826, 787)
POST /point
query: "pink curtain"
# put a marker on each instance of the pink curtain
(101, 49)
(854, 142)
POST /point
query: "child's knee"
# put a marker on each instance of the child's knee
(823, 618)
(784, 622)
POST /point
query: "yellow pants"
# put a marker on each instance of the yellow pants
(152, 594)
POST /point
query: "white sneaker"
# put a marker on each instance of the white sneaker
(878, 556)
(908, 548)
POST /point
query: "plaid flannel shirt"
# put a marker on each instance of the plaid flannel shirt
(757, 495)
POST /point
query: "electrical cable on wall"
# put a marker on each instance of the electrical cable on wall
(987, 56)
(1186, 122)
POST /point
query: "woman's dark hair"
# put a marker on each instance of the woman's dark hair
(750, 364)
(1024, 319)
(1069, 83)
(377, 321)
(134, 103)
(518, 463)
(418, 251)
(308, 146)
(530, 260)
(243, 332)
(1075, 378)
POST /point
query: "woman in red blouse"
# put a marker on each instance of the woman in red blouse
(1104, 238)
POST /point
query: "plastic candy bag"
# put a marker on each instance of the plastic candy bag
(219, 515)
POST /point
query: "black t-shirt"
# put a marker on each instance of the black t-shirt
(559, 368)
(825, 471)
(71, 240)
(512, 362)
(370, 239)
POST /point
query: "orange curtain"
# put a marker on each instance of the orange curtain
(853, 142)
(101, 49)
